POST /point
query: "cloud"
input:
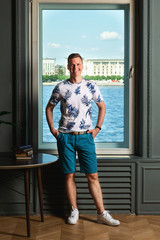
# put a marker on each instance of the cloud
(109, 35)
(55, 45)
(84, 36)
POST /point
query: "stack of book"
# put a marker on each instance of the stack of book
(24, 152)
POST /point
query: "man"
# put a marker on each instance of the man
(75, 134)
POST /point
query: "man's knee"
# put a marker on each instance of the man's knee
(69, 177)
(92, 177)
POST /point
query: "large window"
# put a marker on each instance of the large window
(101, 33)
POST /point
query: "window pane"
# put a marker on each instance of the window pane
(99, 36)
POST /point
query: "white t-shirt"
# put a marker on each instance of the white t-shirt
(76, 104)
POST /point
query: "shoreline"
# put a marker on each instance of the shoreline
(103, 83)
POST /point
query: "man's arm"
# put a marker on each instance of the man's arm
(101, 115)
(49, 116)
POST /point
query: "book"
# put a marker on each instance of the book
(24, 152)
(29, 153)
(27, 149)
(24, 157)
(24, 147)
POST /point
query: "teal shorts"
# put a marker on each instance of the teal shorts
(68, 145)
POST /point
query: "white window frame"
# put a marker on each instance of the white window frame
(34, 50)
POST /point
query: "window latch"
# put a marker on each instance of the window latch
(131, 71)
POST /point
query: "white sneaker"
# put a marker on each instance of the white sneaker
(74, 216)
(106, 218)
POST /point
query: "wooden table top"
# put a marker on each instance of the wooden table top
(38, 160)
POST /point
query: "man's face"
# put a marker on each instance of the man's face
(75, 66)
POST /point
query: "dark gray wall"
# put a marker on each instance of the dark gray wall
(147, 78)
(135, 177)
(6, 73)
(14, 74)
(155, 78)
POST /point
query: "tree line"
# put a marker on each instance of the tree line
(61, 77)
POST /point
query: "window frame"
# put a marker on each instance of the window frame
(35, 65)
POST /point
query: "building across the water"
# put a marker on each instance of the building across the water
(60, 69)
(49, 66)
(102, 67)
(92, 67)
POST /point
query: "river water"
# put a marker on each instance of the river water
(113, 126)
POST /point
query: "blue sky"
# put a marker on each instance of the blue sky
(92, 33)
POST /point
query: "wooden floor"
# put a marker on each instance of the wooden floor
(54, 228)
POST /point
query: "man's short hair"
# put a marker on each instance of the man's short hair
(74, 55)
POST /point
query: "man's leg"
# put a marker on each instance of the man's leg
(71, 193)
(103, 216)
(67, 157)
(96, 192)
(71, 189)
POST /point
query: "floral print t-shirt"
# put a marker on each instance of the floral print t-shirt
(75, 104)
